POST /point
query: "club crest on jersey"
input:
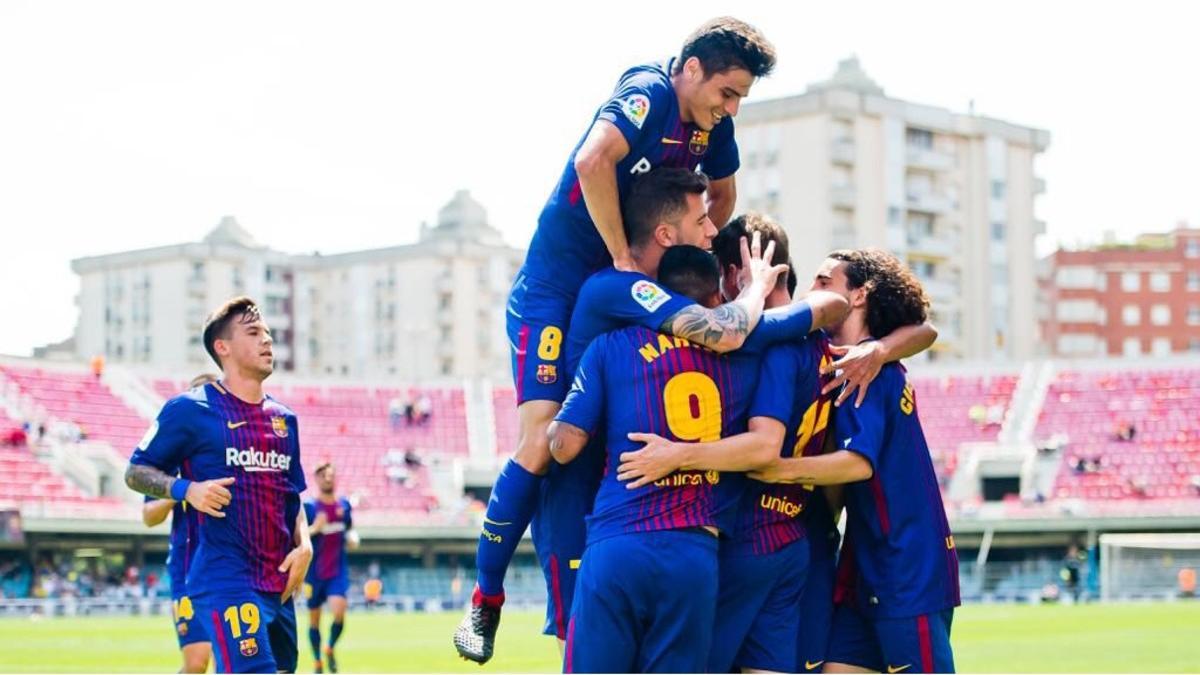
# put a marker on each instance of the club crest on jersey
(248, 647)
(636, 108)
(649, 295)
(698, 145)
(547, 373)
(279, 426)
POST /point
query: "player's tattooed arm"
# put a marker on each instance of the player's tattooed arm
(566, 441)
(721, 328)
(149, 481)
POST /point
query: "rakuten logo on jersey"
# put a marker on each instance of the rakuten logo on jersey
(257, 460)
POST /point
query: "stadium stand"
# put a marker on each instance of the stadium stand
(81, 399)
(1158, 411)
(945, 405)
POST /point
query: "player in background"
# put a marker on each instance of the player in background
(677, 112)
(193, 640)
(331, 530)
(241, 450)
(899, 549)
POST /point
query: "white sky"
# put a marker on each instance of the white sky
(341, 126)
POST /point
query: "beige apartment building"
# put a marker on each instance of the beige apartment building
(952, 194)
(431, 309)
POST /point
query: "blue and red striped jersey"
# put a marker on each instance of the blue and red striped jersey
(566, 247)
(636, 379)
(208, 433)
(329, 545)
(789, 390)
(904, 555)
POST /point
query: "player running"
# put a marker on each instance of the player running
(193, 640)
(899, 549)
(673, 113)
(241, 450)
(330, 528)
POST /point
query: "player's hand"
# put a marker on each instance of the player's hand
(210, 496)
(625, 263)
(756, 264)
(857, 368)
(318, 523)
(659, 457)
(296, 565)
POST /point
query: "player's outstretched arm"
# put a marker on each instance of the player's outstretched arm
(861, 363)
(722, 195)
(156, 511)
(660, 457)
(842, 466)
(828, 308)
(566, 441)
(596, 165)
(725, 328)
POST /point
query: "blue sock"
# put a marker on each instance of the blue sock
(510, 508)
(335, 632)
(314, 639)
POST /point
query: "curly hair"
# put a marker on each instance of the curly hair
(895, 297)
(726, 43)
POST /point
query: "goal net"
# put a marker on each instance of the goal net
(1149, 565)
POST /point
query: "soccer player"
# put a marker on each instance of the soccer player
(241, 450)
(193, 640)
(331, 530)
(674, 113)
(899, 546)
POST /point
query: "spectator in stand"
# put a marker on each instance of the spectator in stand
(97, 366)
(424, 409)
(1125, 431)
(1187, 582)
(395, 412)
(409, 409)
(411, 458)
(1072, 563)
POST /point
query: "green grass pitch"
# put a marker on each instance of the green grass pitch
(1163, 637)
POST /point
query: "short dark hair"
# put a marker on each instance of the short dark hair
(657, 195)
(691, 271)
(216, 326)
(895, 297)
(725, 43)
(728, 243)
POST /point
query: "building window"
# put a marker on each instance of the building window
(1193, 281)
(1160, 346)
(1194, 315)
(1160, 282)
(1131, 315)
(1077, 311)
(998, 189)
(1194, 345)
(1131, 282)
(1077, 276)
(1132, 346)
(919, 138)
(1160, 315)
(998, 231)
(1192, 248)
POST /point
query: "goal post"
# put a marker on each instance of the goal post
(1149, 565)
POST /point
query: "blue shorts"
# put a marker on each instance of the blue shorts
(559, 530)
(252, 632)
(816, 604)
(188, 628)
(644, 604)
(915, 644)
(757, 622)
(318, 591)
(536, 321)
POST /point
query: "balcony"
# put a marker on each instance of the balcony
(928, 202)
(842, 196)
(928, 160)
(1039, 186)
(841, 151)
(933, 247)
(940, 291)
